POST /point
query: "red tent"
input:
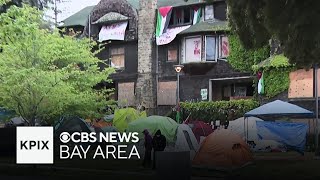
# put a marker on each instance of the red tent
(199, 128)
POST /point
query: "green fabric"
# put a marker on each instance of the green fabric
(122, 117)
(167, 126)
(159, 20)
(78, 19)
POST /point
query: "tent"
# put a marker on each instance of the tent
(278, 109)
(292, 135)
(223, 149)
(72, 124)
(185, 140)
(122, 117)
(237, 127)
(199, 128)
(167, 126)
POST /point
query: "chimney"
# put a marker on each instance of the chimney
(146, 87)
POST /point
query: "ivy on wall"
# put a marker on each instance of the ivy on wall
(242, 59)
(276, 70)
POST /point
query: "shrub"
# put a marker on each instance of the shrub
(217, 110)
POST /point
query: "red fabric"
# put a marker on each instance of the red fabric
(259, 75)
(164, 10)
(200, 129)
(195, 8)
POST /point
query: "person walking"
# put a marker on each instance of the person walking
(148, 148)
(159, 144)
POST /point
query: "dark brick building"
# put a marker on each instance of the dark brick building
(145, 62)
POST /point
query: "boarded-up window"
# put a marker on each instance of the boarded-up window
(172, 53)
(301, 84)
(117, 57)
(193, 49)
(167, 93)
(126, 94)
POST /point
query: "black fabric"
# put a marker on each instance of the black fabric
(159, 141)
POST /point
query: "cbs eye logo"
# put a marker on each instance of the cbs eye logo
(34, 145)
(65, 137)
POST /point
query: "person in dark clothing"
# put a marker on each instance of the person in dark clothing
(148, 148)
(159, 144)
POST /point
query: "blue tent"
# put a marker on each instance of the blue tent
(279, 108)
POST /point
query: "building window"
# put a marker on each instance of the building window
(214, 48)
(126, 94)
(172, 53)
(117, 57)
(181, 16)
(209, 13)
(193, 49)
(211, 49)
(167, 93)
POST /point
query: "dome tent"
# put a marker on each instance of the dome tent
(237, 126)
(186, 140)
(167, 126)
(223, 149)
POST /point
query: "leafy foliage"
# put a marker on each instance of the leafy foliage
(243, 59)
(44, 75)
(276, 81)
(217, 110)
(292, 22)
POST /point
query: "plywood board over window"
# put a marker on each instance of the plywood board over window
(117, 56)
(172, 52)
(126, 94)
(167, 93)
(301, 84)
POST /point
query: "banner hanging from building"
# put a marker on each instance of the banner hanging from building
(170, 35)
(114, 31)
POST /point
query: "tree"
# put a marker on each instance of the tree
(44, 75)
(292, 22)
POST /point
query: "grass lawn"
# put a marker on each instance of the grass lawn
(267, 166)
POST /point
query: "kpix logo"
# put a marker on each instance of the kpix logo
(34, 145)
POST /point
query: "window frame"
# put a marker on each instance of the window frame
(204, 16)
(173, 15)
(185, 48)
(124, 57)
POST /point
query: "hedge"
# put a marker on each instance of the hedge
(217, 110)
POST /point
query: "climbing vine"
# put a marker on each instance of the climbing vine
(242, 59)
(276, 70)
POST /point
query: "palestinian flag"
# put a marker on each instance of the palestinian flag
(163, 19)
(178, 113)
(260, 83)
(196, 14)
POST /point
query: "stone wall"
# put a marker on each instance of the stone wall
(146, 82)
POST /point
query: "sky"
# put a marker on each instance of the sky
(69, 7)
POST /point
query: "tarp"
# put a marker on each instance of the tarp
(167, 126)
(293, 135)
(122, 117)
(237, 126)
(279, 109)
(223, 149)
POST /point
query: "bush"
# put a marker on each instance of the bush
(217, 110)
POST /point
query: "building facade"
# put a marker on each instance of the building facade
(193, 34)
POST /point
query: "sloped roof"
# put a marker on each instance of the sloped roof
(207, 26)
(274, 61)
(111, 17)
(78, 19)
(279, 108)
